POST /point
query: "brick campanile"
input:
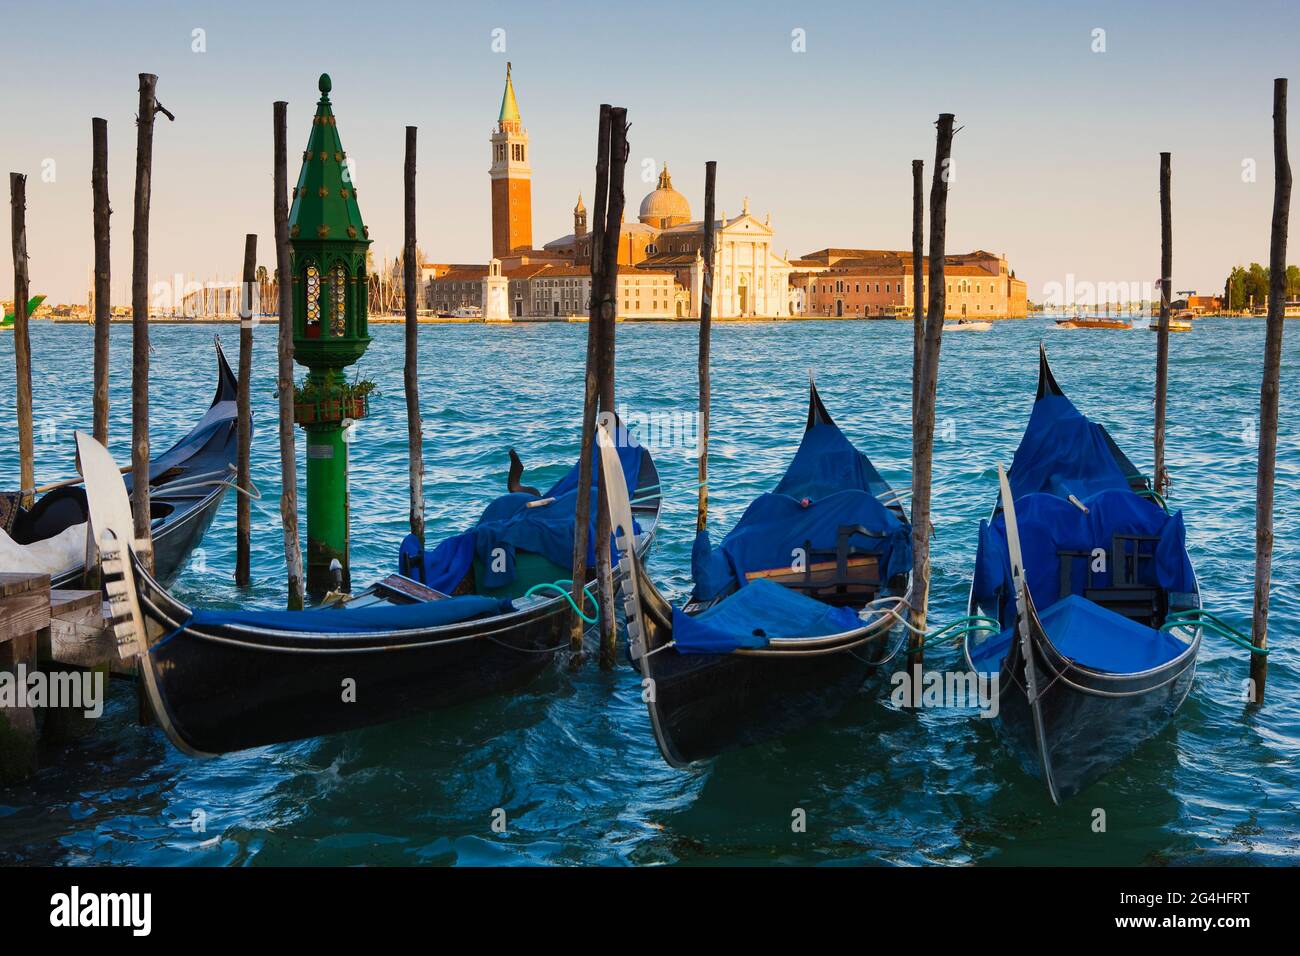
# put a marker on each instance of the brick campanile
(512, 188)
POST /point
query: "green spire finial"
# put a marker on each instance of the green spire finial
(509, 105)
(325, 84)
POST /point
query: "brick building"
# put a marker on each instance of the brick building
(877, 283)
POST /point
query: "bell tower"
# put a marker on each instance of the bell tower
(512, 190)
(579, 219)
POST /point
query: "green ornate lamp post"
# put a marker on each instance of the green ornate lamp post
(328, 254)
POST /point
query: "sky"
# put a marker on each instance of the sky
(812, 110)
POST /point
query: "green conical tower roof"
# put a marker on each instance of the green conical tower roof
(325, 200)
(509, 105)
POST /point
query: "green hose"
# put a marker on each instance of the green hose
(1199, 617)
(557, 586)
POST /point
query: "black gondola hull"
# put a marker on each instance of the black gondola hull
(704, 705)
(222, 688)
(222, 692)
(182, 518)
(1091, 722)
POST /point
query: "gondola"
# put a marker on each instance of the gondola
(1079, 533)
(186, 486)
(221, 681)
(789, 615)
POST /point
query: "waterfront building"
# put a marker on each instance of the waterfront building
(877, 283)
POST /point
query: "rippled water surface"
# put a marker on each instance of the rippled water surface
(571, 759)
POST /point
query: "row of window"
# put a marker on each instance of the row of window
(841, 286)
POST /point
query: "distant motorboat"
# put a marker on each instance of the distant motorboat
(467, 312)
(1093, 322)
(1182, 322)
(967, 325)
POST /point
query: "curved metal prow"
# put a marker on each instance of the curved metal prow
(626, 577)
(114, 532)
(1026, 624)
(1046, 380)
(817, 414)
(227, 384)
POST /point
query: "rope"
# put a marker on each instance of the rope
(956, 628)
(1199, 617)
(1156, 497)
(556, 586)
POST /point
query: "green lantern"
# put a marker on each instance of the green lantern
(328, 244)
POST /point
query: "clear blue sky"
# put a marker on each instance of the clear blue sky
(1057, 157)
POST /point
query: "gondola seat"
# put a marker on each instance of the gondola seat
(1146, 562)
(846, 574)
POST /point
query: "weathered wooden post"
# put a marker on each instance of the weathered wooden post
(284, 375)
(24, 615)
(414, 425)
(618, 151)
(22, 339)
(1268, 395)
(243, 504)
(591, 390)
(918, 278)
(706, 343)
(1161, 473)
(103, 266)
(915, 640)
(149, 107)
(923, 441)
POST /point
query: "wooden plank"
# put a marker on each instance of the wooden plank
(20, 582)
(863, 562)
(24, 610)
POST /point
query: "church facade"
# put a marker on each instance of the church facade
(660, 254)
(661, 261)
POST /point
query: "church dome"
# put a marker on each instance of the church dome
(665, 206)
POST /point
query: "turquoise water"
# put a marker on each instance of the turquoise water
(570, 760)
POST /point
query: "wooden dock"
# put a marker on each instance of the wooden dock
(47, 631)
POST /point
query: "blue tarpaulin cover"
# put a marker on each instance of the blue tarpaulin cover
(509, 524)
(1092, 636)
(388, 617)
(753, 615)
(829, 483)
(1063, 453)
(1049, 525)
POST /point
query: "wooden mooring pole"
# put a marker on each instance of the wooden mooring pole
(103, 268)
(706, 343)
(608, 316)
(414, 424)
(140, 509)
(915, 640)
(918, 278)
(22, 339)
(243, 504)
(1268, 395)
(1161, 473)
(923, 439)
(284, 378)
(591, 390)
